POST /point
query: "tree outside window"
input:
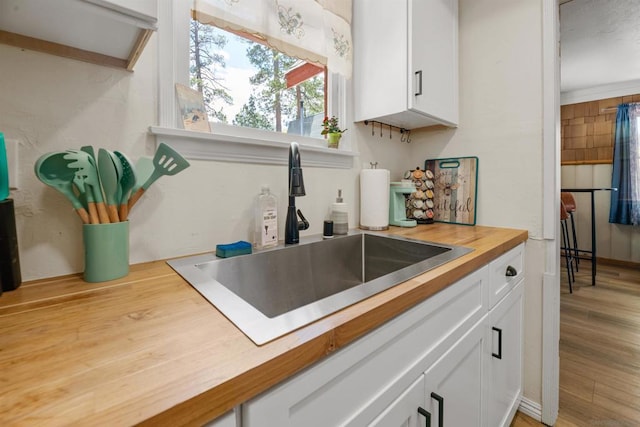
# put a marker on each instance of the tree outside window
(249, 84)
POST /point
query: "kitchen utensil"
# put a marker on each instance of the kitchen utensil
(52, 170)
(4, 170)
(118, 164)
(144, 169)
(110, 182)
(166, 161)
(455, 189)
(127, 182)
(84, 165)
(78, 182)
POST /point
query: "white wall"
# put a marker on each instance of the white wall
(49, 103)
(501, 123)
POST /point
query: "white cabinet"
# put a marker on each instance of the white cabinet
(505, 366)
(453, 385)
(403, 411)
(105, 32)
(406, 62)
(454, 356)
(357, 383)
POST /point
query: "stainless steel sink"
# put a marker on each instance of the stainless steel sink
(270, 293)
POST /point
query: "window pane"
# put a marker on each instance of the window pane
(245, 83)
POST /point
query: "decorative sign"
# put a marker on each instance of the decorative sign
(455, 189)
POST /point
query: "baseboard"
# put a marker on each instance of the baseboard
(531, 408)
(618, 262)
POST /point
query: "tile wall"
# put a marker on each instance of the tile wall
(588, 128)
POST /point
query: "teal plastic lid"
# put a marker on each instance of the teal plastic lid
(4, 170)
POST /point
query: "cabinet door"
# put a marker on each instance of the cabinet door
(403, 412)
(505, 378)
(453, 385)
(433, 59)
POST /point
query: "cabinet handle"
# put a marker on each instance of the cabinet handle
(426, 414)
(440, 400)
(499, 354)
(419, 74)
(511, 272)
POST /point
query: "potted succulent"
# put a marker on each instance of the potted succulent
(333, 132)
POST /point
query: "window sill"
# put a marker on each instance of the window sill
(249, 148)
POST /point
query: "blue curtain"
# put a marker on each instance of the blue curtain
(625, 206)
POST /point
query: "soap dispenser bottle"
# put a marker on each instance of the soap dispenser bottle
(266, 220)
(339, 215)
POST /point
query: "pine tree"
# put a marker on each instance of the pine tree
(206, 60)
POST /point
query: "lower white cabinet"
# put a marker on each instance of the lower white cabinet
(453, 385)
(505, 323)
(453, 358)
(403, 411)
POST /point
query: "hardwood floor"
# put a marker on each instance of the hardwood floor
(599, 349)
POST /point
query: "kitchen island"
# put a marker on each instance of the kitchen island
(148, 349)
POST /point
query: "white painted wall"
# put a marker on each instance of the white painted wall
(50, 103)
(501, 123)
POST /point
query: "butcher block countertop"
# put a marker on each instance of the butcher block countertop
(148, 349)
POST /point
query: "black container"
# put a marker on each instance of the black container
(10, 277)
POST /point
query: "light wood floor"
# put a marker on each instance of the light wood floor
(599, 349)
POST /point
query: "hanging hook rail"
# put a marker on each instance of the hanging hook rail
(405, 134)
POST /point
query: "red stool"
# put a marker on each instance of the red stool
(570, 205)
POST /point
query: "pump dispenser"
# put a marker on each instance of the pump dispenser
(266, 219)
(339, 215)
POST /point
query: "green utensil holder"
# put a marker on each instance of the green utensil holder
(106, 251)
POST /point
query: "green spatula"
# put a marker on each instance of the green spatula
(166, 161)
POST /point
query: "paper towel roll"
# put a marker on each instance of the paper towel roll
(374, 199)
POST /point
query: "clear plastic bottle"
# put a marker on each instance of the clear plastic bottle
(266, 220)
(340, 216)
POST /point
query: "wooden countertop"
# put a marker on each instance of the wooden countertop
(148, 349)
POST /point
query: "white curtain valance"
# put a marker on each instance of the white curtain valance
(317, 31)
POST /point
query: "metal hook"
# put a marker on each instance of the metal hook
(390, 131)
(402, 136)
(380, 130)
(408, 136)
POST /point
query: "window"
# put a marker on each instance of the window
(246, 83)
(227, 142)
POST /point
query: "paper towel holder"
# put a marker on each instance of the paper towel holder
(374, 209)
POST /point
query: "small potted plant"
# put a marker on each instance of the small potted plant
(333, 132)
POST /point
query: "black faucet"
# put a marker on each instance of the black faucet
(296, 189)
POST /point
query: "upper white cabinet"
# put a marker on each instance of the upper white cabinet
(406, 62)
(105, 32)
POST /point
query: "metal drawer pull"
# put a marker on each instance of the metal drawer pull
(499, 355)
(426, 414)
(511, 272)
(440, 400)
(419, 74)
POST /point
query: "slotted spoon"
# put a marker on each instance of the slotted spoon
(84, 164)
(127, 182)
(52, 170)
(166, 161)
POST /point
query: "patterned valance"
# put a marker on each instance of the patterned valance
(317, 31)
